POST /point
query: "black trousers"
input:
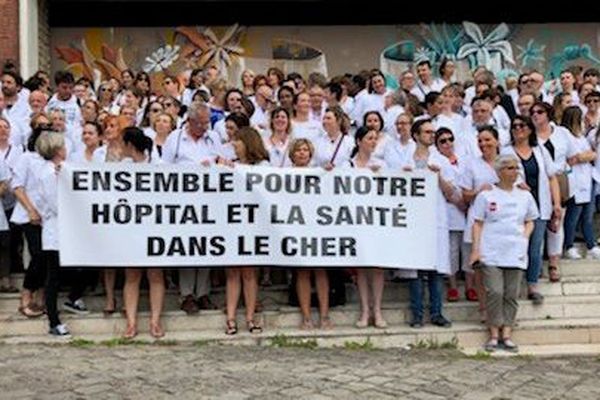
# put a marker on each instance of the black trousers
(35, 276)
(52, 286)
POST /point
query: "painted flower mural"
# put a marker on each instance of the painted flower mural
(531, 53)
(161, 59)
(109, 64)
(206, 48)
(481, 49)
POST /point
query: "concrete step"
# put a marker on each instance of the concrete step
(462, 335)
(285, 317)
(571, 285)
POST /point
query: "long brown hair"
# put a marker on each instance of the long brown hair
(255, 148)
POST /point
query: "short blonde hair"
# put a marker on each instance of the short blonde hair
(49, 143)
(504, 160)
(296, 145)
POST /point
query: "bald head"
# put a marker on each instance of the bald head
(37, 101)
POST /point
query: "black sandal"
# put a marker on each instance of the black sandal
(231, 327)
(253, 327)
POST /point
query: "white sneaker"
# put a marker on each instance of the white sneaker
(59, 330)
(593, 253)
(573, 254)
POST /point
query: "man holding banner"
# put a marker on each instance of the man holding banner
(423, 133)
(195, 144)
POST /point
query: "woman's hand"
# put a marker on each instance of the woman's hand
(524, 186)
(375, 168)
(475, 257)
(328, 167)
(34, 217)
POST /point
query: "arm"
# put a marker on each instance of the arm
(528, 228)
(21, 195)
(477, 229)
(555, 194)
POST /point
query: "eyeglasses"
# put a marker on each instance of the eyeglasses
(539, 112)
(518, 126)
(446, 140)
(511, 168)
(596, 100)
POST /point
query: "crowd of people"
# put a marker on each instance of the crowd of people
(516, 164)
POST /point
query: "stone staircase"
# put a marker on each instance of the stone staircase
(570, 316)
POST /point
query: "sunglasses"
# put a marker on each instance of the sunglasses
(155, 110)
(518, 126)
(539, 112)
(105, 89)
(592, 101)
(446, 140)
(511, 168)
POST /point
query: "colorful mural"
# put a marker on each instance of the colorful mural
(504, 48)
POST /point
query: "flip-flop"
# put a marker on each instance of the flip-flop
(29, 313)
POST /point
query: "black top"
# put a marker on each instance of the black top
(532, 171)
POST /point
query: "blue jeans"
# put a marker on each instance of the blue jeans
(435, 295)
(536, 242)
(574, 214)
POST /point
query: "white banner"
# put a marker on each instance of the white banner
(124, 215)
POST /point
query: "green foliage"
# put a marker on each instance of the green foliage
(283, 341)
(366, 345)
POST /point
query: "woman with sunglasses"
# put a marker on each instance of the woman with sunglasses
(556, 139)
(580, 208)
(456, 207)
(151, 112)
(502, 224)
(538, 173)
(106, 96)
(592, 114)
(144, 85)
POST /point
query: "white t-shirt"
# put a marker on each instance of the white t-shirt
(4, 177)
(396, 154)
(389, 119)
(309, 129)
(475, 173)
(25, 176)
(443, 234)
(10, 156)
(325, 149)
(69, 107)
(580, 178)
(48, 184)
(503, 242)
(278, 152)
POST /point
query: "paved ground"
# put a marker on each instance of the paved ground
(227, 372)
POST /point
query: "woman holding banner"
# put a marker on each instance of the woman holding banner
(138, 147)
(250, 150)
(332, 149)
(301, 152)
(363, 157)
(111, 151)
(503, 222)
